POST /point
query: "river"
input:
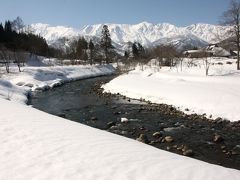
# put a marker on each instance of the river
(83, 102)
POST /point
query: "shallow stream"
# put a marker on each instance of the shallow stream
(83, 102)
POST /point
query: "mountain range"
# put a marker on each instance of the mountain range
(146, 33)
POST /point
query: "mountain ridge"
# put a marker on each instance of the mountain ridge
(148, 34)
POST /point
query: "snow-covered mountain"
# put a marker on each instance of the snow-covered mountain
(147, 34)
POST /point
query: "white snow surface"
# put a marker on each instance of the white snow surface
(217, 95)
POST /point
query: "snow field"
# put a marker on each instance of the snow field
(217, 95)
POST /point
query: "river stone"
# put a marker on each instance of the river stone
(124, 132)
(114, 107)
(170, 129)
(218, 119)
(168, 139)
(236, 150)
(143, 138)
(62, 115)
(180, 147)
(111, 124)
(159, 140)
(157, 134)
(117, 113)
(29, 85)
(188, 152)
(124, 120)
(217, 138)
(223, 147)
(94, 118)
(20, 83)
(152, 143)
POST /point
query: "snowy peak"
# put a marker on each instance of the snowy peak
(209, 33)
(53, 33)
(146, 33)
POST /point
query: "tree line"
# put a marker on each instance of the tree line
(14, 37)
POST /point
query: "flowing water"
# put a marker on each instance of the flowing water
(81, 101)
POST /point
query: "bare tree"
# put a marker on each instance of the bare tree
(18, 24)
(231, 17)
(165, 55)
(179, 60)
(157, 51)
(5, 57)
(206, 61)
(19, 58)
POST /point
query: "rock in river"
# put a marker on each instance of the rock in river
(94, 118)
(188, 152)
(168, 139)
(157, 134)
(143, 138)
(217, 138)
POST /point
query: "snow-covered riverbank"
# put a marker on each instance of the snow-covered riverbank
(36, 145)
(217, 95)
(16, 85)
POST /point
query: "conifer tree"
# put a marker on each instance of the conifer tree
(135, 50)
(106, 42)
(91, 48)
(82, 46)
(8, 26)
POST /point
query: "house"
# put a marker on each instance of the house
(197, 53)
(218, 51)
(209, 51)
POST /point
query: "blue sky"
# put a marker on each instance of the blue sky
(77, 13)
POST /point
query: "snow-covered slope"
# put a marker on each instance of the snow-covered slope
(209, 33)
(146, 33)
(53, 33)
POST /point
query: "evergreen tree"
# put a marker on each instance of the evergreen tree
(138, 50)
(1, 33)
(135, 50)
(106, 42)
(126, 55)
(82, 46)
(8, 26)
(91, 48)
(1, 28)
(141, 50)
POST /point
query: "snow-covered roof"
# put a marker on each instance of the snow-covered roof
(218, 51)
